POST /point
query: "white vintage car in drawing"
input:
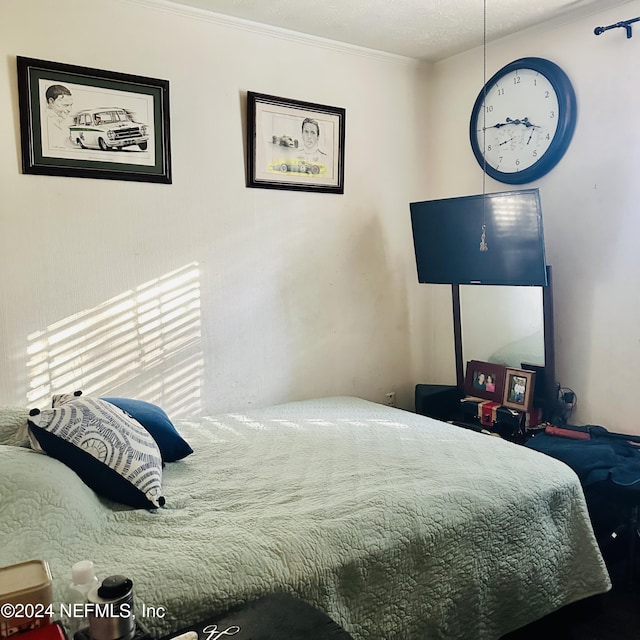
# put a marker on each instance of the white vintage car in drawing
(107, 128)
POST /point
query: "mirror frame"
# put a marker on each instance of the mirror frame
(551, 389)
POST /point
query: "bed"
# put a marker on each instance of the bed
(396, 525)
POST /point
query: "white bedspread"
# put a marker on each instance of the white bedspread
(396, 525)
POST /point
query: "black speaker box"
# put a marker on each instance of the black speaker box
(439, 401)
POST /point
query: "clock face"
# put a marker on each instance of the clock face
(523, 120)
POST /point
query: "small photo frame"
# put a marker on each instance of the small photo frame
(89, 123)
(518, 389)
(484, 380)
(294, 145)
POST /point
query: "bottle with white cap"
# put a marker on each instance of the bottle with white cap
(83, 579)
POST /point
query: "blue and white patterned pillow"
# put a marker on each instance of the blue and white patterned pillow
(110, 451)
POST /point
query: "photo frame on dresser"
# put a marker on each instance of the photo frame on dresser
(90, 123)
(485, 380)
(519, 385)
(294, 145)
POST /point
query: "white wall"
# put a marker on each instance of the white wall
(285, 295)
(590, 201)
(280, 295)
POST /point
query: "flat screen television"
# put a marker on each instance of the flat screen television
(447, 236)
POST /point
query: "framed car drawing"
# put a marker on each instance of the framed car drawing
(89, 123)
(294, 145)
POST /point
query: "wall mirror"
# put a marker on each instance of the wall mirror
(503, 325)
(510, 326)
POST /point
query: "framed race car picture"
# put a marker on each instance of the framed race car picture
(88, 123)
(294, 145)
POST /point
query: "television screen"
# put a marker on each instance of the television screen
(448, 234)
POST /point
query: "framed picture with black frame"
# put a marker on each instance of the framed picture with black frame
(90, 123)
(294, 145)
(484, 380)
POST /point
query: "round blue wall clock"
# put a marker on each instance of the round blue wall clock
(523, 120)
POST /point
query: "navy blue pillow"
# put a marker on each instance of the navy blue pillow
(171, 444)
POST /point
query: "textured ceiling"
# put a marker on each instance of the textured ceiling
(426, 29)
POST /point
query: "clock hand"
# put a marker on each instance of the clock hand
(510, 121)
(527, 124)
(524, 121)
(503, 124)
(531, 126)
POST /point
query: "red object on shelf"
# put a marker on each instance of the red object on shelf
(567, 433)
(488, 416)
(53, 631)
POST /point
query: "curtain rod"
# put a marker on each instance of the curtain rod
(626, 24)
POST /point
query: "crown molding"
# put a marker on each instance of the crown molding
(258, 28)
